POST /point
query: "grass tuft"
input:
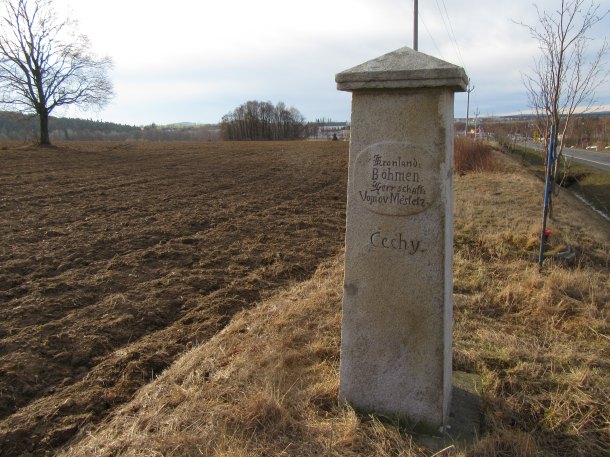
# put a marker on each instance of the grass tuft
(472, 155)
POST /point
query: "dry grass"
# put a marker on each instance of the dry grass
(267, 384)
(472, 155)
(539, 339)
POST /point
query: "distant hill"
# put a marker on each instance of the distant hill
(20, 127)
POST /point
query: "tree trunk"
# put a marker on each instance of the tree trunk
(45, 140)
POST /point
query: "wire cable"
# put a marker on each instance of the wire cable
(449, 30)
(457, 45)
(440, 54)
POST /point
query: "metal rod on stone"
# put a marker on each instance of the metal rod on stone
(415, 26)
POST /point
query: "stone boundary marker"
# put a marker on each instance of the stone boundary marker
(397, 307)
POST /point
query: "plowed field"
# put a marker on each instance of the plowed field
(117, 257)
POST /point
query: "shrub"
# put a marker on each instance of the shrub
(472, 155)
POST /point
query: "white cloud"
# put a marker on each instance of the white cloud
(198, 59)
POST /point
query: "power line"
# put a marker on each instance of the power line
(449, 30)
(457, 46)
(440, 54)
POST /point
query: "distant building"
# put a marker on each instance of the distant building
(328, 130)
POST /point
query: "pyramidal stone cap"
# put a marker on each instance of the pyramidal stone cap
(403, 69)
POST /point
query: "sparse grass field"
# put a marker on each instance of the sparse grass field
(539, 339)
(267, 383)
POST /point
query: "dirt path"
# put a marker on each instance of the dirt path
(115, 258)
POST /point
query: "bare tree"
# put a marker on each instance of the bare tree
(45, 63)
(566, 74)
(255, 120)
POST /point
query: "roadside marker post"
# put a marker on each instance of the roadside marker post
(547, 189)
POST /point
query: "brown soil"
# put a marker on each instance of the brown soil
(115, 258)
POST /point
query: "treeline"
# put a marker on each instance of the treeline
(197, 132)
(20, 127)
(255, 120)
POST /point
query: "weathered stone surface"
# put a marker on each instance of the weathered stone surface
(403, 69)
(397, 313)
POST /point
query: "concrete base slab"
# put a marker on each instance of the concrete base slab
(464, 417)
(465, 413)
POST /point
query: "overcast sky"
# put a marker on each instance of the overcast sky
(196, 60)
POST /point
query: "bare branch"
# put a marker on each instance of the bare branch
(562, 79)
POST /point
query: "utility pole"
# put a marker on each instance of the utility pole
(468, 90)
(415, 25)
(476, 121)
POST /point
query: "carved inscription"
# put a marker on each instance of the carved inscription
(396, 242)
(395, 179)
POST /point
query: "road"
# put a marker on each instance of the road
(599, 160)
